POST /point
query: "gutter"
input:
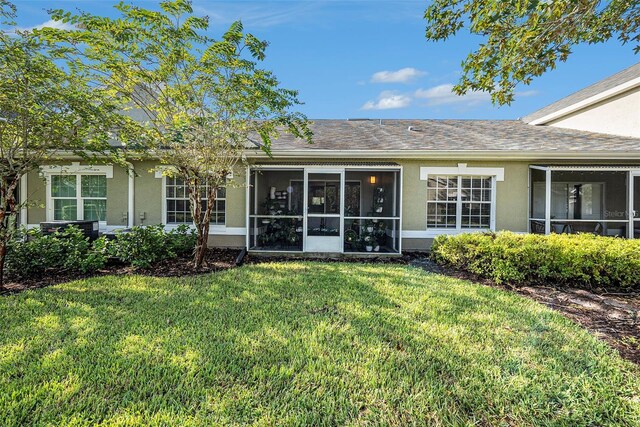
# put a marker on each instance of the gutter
(494, 155)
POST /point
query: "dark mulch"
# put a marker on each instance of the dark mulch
(216, 260)
(614, 318)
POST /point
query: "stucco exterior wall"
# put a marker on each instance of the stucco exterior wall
(619, 115)
(117, 196)
(36, 194)
(511, 199)
(511, 194)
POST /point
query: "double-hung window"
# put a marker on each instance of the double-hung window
(79, 197)
(177, 203)
(460, 202)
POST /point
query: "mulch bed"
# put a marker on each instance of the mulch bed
(216, 260)
(614, 318)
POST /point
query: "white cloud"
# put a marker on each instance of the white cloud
(444, 95)
(50, 24)
(388, 100)
(403, 75)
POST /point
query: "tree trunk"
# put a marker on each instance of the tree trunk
(3, 256)
(7, 218)
(202, 220)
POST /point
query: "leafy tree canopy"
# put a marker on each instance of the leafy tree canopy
(45, 108)
(201, 101)
(525, 38)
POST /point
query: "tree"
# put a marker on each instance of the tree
(201, 100)
(525, 38)
(45, 108)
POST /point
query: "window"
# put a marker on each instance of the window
(79, 197)
(177, 203)
(459, 202)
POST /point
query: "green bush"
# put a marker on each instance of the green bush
(142, 246)
(577, 260)
(69, 250)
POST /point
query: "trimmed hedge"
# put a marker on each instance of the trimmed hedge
(33, 254)
(143, 246)
(576, 260)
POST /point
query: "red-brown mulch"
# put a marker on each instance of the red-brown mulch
(614, 318)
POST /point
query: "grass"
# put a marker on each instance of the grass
(302, 344)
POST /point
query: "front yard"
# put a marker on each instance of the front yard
(302, 343)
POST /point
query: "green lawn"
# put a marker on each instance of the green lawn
(302, 344)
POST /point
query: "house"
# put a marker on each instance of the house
(391, 185)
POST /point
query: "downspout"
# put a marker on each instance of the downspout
(23, 199)
(131, 194)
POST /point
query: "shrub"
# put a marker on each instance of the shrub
(68, 250)
(142, 246)
(578, 260)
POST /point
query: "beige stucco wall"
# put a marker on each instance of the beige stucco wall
(511, 199)
(117, 193)
(511, 194)
(36, 194)
(619, 115)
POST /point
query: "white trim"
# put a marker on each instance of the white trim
(78, 171)
(494, 199)
(400, 232)
(435, 232)
(587, 168)
(461, 170)
(75, 168)
(459, 202)
(160, 171)
(23, 199)
(163, 209)
(632, 219)
(616, 90)
(247, 203)
(547, 202)
(217, 230)
(490, 155)
(385, 155)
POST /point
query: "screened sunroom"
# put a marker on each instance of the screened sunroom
(324, 208)
(603, 200)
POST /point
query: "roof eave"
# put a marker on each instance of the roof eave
(451, 154)
(585, 103)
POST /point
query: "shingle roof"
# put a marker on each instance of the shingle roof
(596, 88)
(451, 135)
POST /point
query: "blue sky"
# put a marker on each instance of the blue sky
(370, 58)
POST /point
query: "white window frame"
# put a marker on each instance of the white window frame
(460, 171)
(212, 226)
(78, 170)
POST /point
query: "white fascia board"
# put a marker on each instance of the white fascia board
(493, 155)
(461, 169)
(77, 168)
(587, 102)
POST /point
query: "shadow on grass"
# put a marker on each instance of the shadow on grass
(302, 343)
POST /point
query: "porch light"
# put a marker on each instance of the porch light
(372, 179)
